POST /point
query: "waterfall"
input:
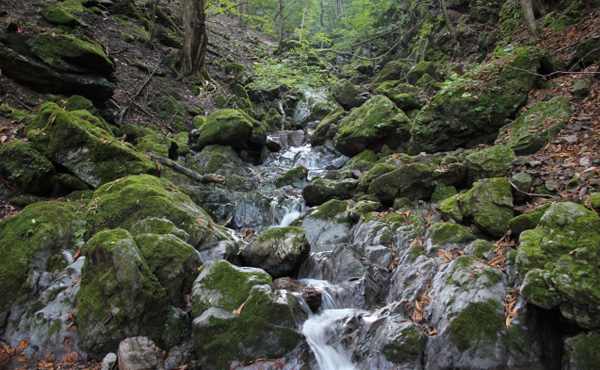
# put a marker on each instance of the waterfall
(324, 330)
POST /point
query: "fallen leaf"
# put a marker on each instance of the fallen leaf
(239, 310)
(447, 256)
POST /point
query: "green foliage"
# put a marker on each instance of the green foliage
(292, 70)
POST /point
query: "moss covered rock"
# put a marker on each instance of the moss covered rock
(295, 177)
(279, 251)
(451, 209)
(320, 191)
(122, 204)
(86, 150)
(26, 168)
(327, 128)
(495, 161)
(224, 127)
(375, 123)
(582, 351)
(412, 181)
(534, 129)
(393, 70)
(421, 69)
(31, 244)
(442, 234)
(527, 221)
(489, 205)
(461, 114)
(238, 317)
(58, 63)
(347, 94)
(478, 322)
(119, 297)
(327, 225)
(559, 263)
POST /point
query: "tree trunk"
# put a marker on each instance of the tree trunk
(303, 19)
(243, 10)
(322, 16)
(448, 20)
(527, 7)
(280, 24)
(195, 39)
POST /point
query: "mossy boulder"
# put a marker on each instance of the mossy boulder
(533, 130)
(450, 209)
(86, 150)
(319, 190)
(238, 318)
(131, 133)
(587, 52)
(314, 105)
(60, 64)
(375, 123)
(451, 174)
(57, 15)
(421, 69)
(347, 94)
(174, 262)
(295, 177)
(489, 205)
(442, 192)
(393, 70)
(373, 173)
(119, 297)
(527, 221)
(279, 251)
(462, 114)
(405, 345)
(445, 233)
(27, 169)
(495, 161)
(327, 128)
(478, 322)
(123, 203)
(31, 244)
(224, 127)
(412, 181)
(582, 351)
(559, 263)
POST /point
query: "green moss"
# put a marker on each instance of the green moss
(527, 221)
(449, 233)
(38, 234)
(26, 168)
(295, 175)
(412, 181)
(583, 351)
(327, 128)
(481, 247)
(450, 209)
(442, 192)
(376, 171)
(332, 209)
(489, 204)
(479, 321)
(408, 346)
(225, 127)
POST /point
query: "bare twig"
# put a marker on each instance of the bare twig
(530, 194)
(204, 179)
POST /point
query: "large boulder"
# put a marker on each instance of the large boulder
(327, 225)
(347, 94)
(534, 129)
(495, 161)
(558, 263)
(119, 296)
(237, 317)
(224, 127)
(124, 203)
(26, 168)
(412, 181)
(61, 64)
(462, 114)
(489, 205)
(320, 190)
(79, 142)
(375, 123)
(279, 251)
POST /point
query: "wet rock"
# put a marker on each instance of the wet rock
(489, 205)
(60, 64)
(558, 263)
(27, 169)
(139, 353)
(495, 161)
(319, 190)
(394, 228)
(313, 298)
(278, 251)
(295, 177)
(327, 226)
(110, 362)
(238, 318)
(347, 94)
(119, 296)
(533, 130)
(375, 123)
(77, 141)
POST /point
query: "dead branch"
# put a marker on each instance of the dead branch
(203, 179)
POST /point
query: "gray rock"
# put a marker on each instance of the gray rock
(327, 226)
(110, 361)
(139, 353)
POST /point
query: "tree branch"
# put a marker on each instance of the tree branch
(203, 179)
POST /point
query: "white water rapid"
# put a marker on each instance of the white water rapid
(323, 331)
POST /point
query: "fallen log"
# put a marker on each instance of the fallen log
(204, 179)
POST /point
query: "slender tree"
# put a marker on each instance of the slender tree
(280, 24)
(195, 39)
(527, 7)
(448, 20)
